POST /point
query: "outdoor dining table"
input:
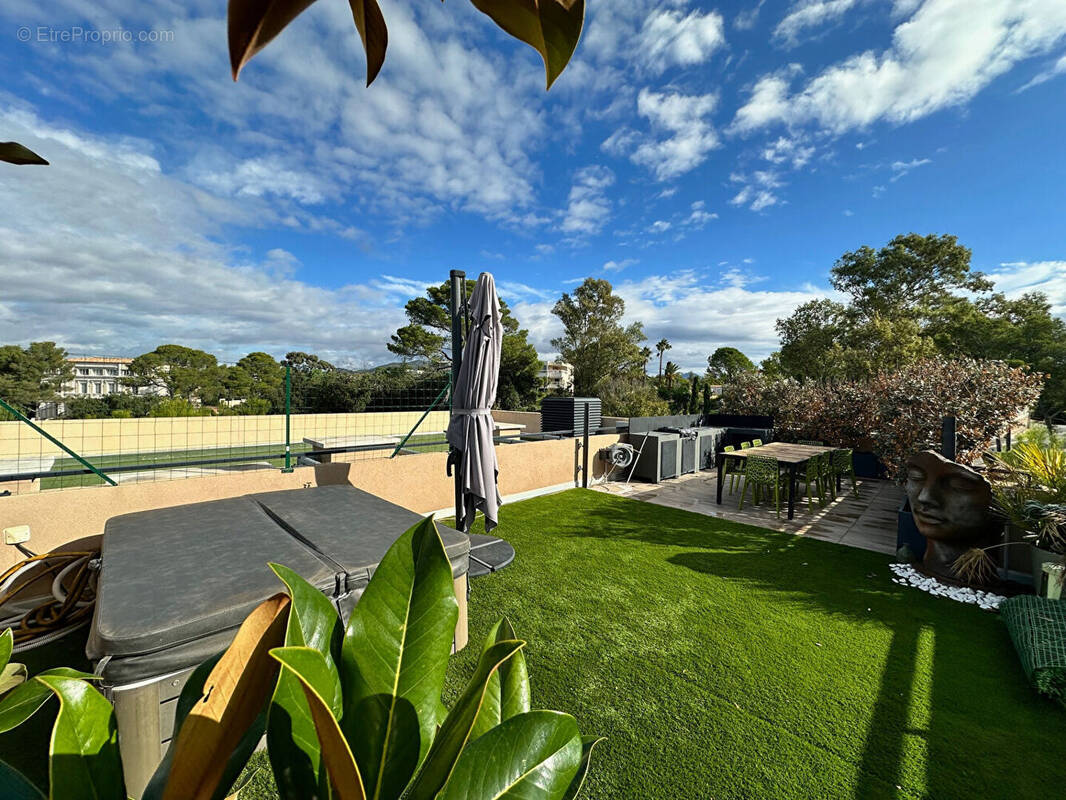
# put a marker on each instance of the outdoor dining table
(792, 456)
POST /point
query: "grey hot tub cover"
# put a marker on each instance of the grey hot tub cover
(471, 428)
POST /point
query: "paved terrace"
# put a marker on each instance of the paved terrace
(867, 521)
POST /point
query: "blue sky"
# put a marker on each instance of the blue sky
(709, 159)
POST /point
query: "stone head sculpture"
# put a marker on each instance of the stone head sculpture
(952, 509)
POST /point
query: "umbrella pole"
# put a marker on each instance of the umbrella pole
(458, 289)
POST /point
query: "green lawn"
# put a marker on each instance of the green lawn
(726, 661)
(251, 453)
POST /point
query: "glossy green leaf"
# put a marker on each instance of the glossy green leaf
(7, 645)
(83, 755)
(17, 786)
(588, 743)
(395, 654)
(458, 726)
(11, 676)
(371, 26)
(253, 24)
(551, 27)
(15, 153)
(295, 754)
(24, 700)
(318, 679)
(507, 694)
(533, 756)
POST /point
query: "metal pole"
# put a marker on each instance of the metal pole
(458, 289)
(425, 414)
(288, 415)
(585, 451)
(20, 416)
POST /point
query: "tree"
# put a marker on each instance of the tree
(670, 373)
(726, 363)
(298, 361)
(178, 371)
(594, 338)
(427, 339)
(627, 396)
(661, 347)
(266, 377)
(694, 399)
(33, 375)
(771, 365)
(645, 355)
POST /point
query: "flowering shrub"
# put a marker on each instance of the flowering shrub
(895, 413)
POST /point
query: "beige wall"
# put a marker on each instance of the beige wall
(417, 482)
(531, 419)
(89, 437)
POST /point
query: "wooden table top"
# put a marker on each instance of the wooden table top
(784, 452)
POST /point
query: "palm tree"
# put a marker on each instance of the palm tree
(661, 347)
(671, 372)
(645, 354)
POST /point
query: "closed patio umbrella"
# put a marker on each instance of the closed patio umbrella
(471, 427)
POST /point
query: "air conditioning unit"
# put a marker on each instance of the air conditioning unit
(659, 455)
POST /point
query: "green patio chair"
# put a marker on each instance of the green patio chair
(814, 479)
(762, 473)
(843, 465)
(829, 478)
(811, 442)
(756, 442)
(730, 469)
(745, 445)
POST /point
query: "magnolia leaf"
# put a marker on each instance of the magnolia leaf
(294, 750)
(24, 700)
(587, 745)
(254, 23)
(395, 656)
(15, 153)
(83, 757)
(7, 646)
(16, 785)
(11, 676)
(551, 27)
(318, 679)
(457, 727)
(533, 756)
(507, 694)
(233, 696)
(371, 26)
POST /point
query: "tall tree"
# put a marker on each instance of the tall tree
(33, 375)
(594, 339)
(178, 371)
(266, 378)
(694, 400)
(661, 347)
(670, 373)
(645, 355)
(726, 363)
(427, 339)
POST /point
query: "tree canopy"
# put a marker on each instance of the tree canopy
(426, 339)
(726, 363)
(594, 339)
(33, 374)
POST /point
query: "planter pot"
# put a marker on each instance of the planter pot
(1041, 557)
(907, 532)
(867, 465)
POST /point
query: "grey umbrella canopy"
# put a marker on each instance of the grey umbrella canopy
(471, 427)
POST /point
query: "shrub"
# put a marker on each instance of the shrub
(630, 397)
(895, 413)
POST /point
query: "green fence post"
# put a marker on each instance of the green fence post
(23, 418)
(288, 416)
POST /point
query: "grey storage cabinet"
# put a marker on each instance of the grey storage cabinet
(659, 455)
(568, 414)
(176, 583)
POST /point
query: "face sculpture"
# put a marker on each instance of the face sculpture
(951, 506)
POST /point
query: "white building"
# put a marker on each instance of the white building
(96, 376)
(557, 375)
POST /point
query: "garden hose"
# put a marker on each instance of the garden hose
(68, 604)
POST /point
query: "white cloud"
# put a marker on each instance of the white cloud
(810, 14)
(901, 168)
(670, 38)
(699, 215)
(690, 137)
(1058, 68)
(788, 150)
(588, 206)
(746, 20)
(1017, 278)
(659, 226)
(618, 266)
(942, 56)
(757, 189)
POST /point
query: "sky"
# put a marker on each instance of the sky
(711, 160)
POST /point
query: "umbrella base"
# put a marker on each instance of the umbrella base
(488, 554)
